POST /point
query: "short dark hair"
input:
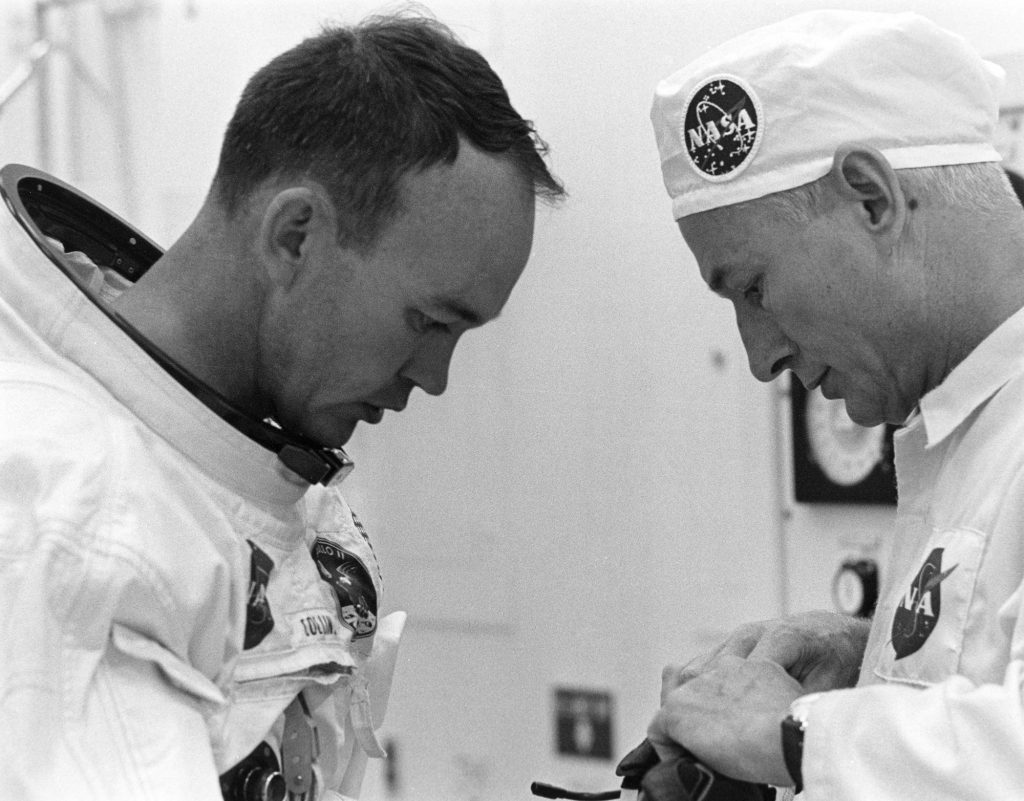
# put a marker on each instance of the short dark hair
(357, 107)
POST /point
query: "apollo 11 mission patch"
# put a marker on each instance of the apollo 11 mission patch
(722, 127)
(353, 587)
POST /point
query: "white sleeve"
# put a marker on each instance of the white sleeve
(135, 738)
(953, 741)
(94, 703)
(96, 726)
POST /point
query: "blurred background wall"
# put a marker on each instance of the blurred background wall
(604, 488)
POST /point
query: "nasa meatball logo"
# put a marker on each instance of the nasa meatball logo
(722, 128)
(918, 612)
(353, 587)
(259, 622)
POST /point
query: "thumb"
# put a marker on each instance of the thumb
(661, 739)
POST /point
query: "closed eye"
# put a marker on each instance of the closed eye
(423, 323)
(754, 293)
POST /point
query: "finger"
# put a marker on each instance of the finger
(739, 644)
(671, 677)
(668, 750)
(744, 640)
(809, 659)
(659, 736)
(783, 647)
(671, 671)
(675, 676)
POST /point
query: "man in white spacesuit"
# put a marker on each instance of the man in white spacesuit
(190, 609)
(834, 177)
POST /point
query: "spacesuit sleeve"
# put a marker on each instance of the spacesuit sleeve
(100, 693)
(953, 741)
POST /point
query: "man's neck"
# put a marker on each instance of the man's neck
(199, 304)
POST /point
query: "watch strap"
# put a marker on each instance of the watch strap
(793, 749)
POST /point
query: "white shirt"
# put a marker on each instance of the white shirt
(167, 586)
(939, 713)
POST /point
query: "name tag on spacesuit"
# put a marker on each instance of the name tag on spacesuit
(309, 624)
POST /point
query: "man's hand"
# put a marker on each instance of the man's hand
(821, 650)
(729, 717)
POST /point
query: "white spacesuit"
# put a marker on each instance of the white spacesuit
(176, 600)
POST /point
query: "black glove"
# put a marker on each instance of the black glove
(682, 779)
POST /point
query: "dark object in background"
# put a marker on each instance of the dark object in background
(834, 459)
(682, 779)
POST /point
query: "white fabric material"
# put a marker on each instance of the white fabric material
(128, 516)
(940, 710)
(898, 82)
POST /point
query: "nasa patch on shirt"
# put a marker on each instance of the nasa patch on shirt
(926, 612)
(722, 127)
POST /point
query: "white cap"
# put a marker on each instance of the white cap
(766, 111)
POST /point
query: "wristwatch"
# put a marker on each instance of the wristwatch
(793, 727)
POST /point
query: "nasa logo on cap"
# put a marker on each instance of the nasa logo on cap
(722, 127)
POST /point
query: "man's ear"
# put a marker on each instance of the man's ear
(861, 174)
(293, 221)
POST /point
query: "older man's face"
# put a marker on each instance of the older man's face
(816, 298)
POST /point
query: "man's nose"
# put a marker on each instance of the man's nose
(769, 350)
(428, 367)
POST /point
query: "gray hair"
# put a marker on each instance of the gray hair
(981, 187)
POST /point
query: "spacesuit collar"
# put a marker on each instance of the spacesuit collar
(49, 210)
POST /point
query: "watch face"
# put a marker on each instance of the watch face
(834, 459)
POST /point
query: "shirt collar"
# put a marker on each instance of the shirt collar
(39, 202)
(998, 359)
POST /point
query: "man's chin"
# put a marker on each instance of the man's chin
(868, 418)
(332, 433)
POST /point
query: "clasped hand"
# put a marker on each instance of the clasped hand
(726, 707)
